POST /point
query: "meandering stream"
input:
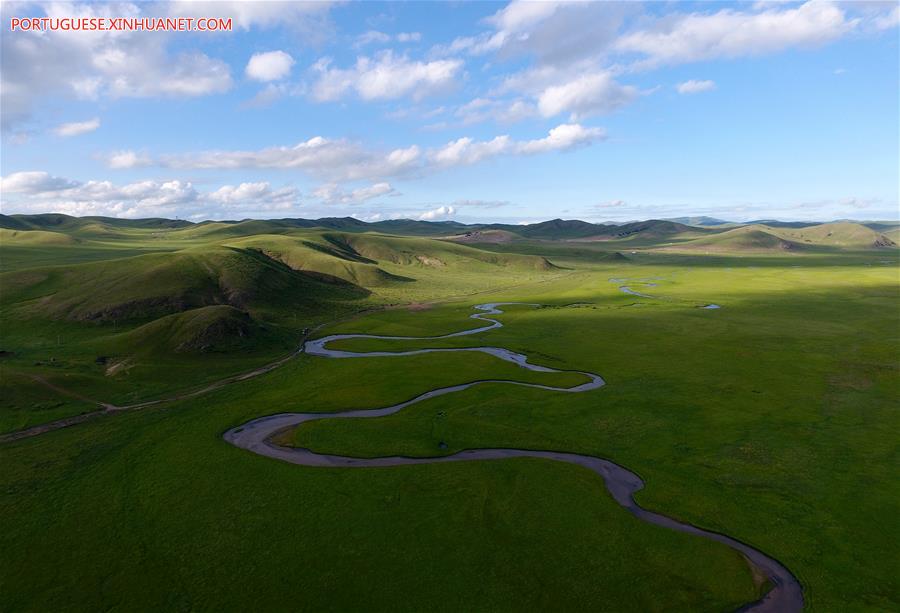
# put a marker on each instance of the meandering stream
(256, 435)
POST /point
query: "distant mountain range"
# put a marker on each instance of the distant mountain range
(636, 233)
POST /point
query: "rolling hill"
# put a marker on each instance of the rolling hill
(155, 285)
(838, 234)
(200, 330)
(745, 239)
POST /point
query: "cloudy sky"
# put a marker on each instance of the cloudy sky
(512, 112)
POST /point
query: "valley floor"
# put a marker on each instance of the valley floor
(771, 419)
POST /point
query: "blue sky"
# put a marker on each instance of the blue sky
(483, 111)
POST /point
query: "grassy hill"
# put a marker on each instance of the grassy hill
(91, 226)
(153, 297)
(35, 237)
(484, 236)
(74, 289)
(745, 239)
(840, 234)
(652, 229)
(201, 330)
(154, 285)
(317, 255)
(557, 229)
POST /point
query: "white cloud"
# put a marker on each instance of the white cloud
(254, 193)
(387, 76)
(504, 111)
(39, 192)
(342, 160)
(888, 20)
(586, 95)
(186, 76)
(77, 128)
(92, 65)
(729, 33)
(335, 160)
(332, 193)
(465, 151)
(520, 15)
(33, 182)
(695, 87)
(442, 212)
(554, 33)
(269, 66)
(127, 159)
(562, 138)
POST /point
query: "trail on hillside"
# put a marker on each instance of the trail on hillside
(257, 436)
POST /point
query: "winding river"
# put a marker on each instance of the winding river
(256, 435)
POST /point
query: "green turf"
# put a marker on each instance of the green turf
(772, 419)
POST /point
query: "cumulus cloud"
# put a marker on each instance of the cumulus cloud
(586, 95)
(554, 33)
(332, 193)
(442, 212)
(386, 76)
(127, 159)
(730, 33)
(517, 16)
(39, 192)
(334, 160)
(269, 66)
(77, 128)
(33, 182)
(578, 47)
(91, 65)
(695, 87)
(562, 138)
(254, 193)
(466, 151)
(343, 160)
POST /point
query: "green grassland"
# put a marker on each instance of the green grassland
(772, 419)
(142, 305)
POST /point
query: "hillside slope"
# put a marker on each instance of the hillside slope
(840, 234)
(745, 239)
(200, 330)
(150, 286)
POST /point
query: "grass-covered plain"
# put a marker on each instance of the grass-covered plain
(772, 419)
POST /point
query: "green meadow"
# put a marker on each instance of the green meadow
(772, 419)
